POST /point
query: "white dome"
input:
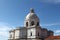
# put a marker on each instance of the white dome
(31, 18)
(31, 15)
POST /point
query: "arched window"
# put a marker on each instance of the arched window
(32, 23)
(31, 33)
(37, 23)
(26, 23)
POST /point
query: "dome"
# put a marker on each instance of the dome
(31, 19)
(31, 15)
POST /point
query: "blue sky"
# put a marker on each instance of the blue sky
(13, 13)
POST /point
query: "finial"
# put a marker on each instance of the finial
(31, 10)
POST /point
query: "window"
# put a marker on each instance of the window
(31, 33)
(10, 35)
(26, 23)
(37, 23)
(32, 23)
(38, 34)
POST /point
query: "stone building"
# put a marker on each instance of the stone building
(31, 30)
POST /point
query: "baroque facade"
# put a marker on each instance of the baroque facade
(31, 30)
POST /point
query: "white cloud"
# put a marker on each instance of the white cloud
(4, 30)
(51, 24)
(57, 32)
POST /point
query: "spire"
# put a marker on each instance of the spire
(31, 10)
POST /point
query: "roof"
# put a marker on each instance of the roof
(53, 37)
(44, 29)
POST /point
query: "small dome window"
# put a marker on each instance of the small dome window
(37, 23)
(26, 23)
(32, 23)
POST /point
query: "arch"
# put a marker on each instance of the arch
(26, 23)
(31, 33)
(37, 23)
(32, 23)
